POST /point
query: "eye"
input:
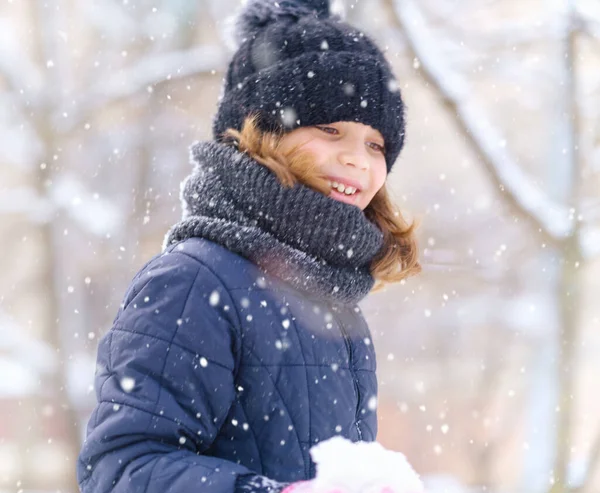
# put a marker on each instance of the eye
(377, 147)
(327, 130)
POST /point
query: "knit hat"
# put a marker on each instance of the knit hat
(297, 65)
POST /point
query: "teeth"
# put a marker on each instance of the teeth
(340, 187)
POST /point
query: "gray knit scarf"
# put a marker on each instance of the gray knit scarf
(320, 246)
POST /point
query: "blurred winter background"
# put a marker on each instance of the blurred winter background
(488, 362)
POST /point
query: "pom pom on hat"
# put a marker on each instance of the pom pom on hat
(256, 14)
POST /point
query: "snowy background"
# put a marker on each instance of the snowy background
(488, 362)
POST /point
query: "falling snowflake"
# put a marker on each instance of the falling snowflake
(372, 404)
(261, 282)
(214, 298)
(348, 89)
(264, 54)
(288, 117)
(127, 384)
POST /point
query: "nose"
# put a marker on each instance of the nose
(354, 157)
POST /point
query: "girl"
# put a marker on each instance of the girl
(241, 345)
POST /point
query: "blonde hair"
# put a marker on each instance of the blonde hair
(396, 261)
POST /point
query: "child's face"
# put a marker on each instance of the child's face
(350, 154)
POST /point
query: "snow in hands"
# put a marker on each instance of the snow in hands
(362, 467)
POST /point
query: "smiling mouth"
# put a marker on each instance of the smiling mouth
(343, 189)
(342, 197)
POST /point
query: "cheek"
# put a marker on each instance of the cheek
(291, 140)
(379, 176)
(318, 150)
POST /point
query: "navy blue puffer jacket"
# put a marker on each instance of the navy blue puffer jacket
(214, 372)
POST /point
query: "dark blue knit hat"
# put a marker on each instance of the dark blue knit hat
(297, 65)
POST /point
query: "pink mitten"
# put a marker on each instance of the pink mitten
(385, 488)
(309, 487)
(299, 487)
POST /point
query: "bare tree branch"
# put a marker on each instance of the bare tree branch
(592, 467)
(551, 218)
(570, 296)
(93, 214)
(19, 73)
(589, 243)
(589, 26)
(155, 69)
(24, 83)
(18, 70)
(507, 33)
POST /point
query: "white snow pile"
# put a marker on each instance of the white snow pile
(362, 467)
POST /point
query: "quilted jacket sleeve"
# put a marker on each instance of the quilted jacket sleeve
(164, 385)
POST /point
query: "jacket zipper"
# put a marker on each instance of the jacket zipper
(354, 380)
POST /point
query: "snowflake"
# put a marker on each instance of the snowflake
(214, 298)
